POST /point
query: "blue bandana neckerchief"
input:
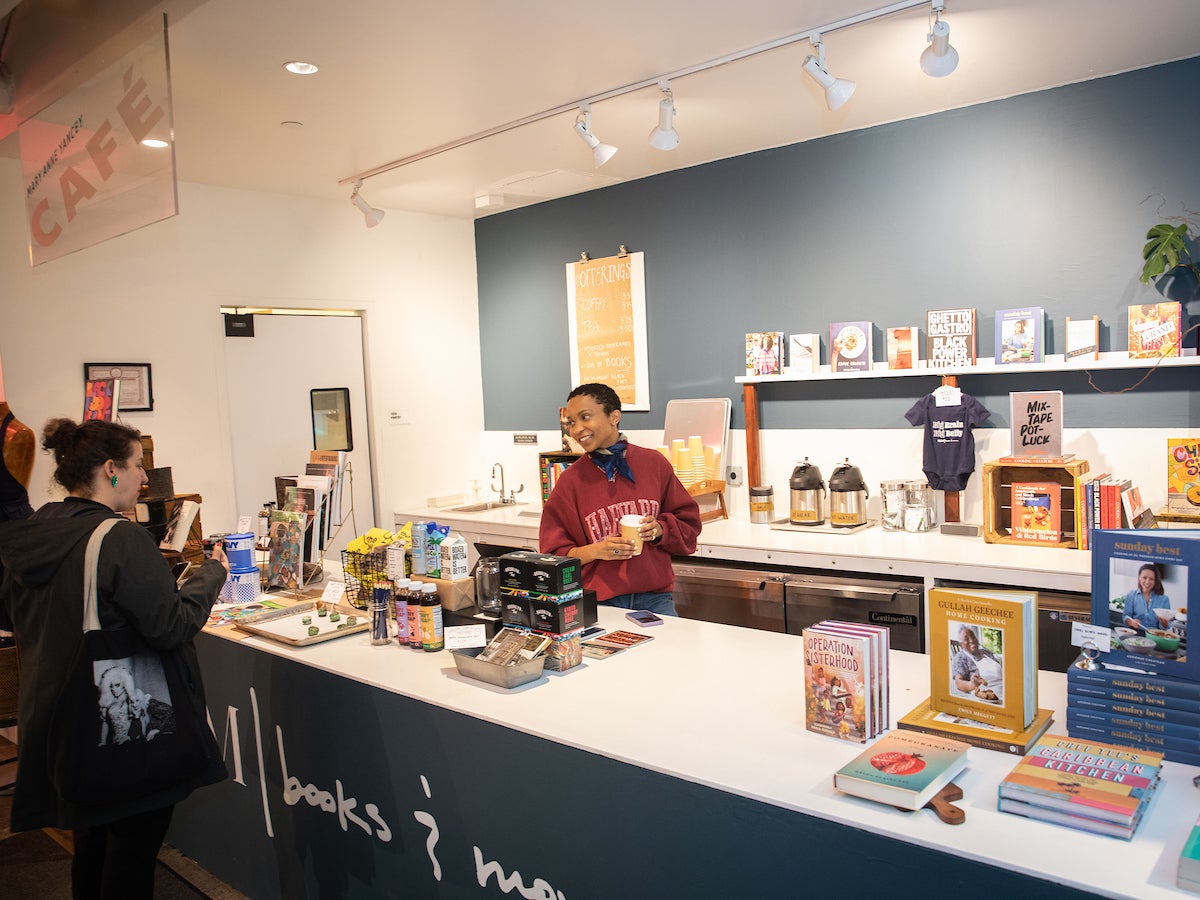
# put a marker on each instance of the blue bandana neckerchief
(612, 460)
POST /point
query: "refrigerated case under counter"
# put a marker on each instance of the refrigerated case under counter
(729, 595)
(788, 600)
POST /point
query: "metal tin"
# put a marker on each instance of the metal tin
(762, 505)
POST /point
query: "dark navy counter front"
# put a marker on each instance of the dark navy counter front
(680, 768)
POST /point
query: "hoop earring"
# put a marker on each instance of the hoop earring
(114, 481)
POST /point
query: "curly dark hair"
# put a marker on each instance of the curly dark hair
(601, 393)
(80, 449)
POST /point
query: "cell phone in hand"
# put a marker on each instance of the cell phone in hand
(643, 617)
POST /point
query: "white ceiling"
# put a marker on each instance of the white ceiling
(401, 76)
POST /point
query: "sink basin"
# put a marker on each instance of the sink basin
(532, 513)
(483, 507)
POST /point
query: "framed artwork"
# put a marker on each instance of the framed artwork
(137, 391)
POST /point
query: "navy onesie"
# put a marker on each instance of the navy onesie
(949, 457)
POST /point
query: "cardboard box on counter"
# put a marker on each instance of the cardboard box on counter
(514, 608)
(542, 572)
(457, 594)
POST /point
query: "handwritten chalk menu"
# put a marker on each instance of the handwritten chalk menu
(606, 313)
(950, 338)
(1037, 423)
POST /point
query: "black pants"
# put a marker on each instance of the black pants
(117, 859)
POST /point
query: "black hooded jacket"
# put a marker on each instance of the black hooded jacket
(42, 597)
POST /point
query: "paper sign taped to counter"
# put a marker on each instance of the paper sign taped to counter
(464, 637)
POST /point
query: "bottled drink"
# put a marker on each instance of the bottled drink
(414, 614)
(432, 636)
(400, 602)
(420, 544)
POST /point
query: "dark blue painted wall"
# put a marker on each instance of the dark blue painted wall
(1034, 200)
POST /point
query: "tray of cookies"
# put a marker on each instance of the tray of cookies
(305, 623)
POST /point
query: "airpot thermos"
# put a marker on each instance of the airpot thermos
(847, 496)
(808, 495)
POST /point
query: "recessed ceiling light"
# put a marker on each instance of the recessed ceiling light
(301, 68)
(155, 143)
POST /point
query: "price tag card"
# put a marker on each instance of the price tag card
(1097, 634)
(244, 525)
(461, 637)
(333, 591)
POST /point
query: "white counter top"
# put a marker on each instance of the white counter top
(724, 707)
(932, 555)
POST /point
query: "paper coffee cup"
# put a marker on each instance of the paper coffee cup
(629, 530)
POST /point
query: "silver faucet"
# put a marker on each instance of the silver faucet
(512, 495)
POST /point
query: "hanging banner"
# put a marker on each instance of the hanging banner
(89, 173)
(606, 315)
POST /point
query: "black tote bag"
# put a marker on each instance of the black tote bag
(124, 726)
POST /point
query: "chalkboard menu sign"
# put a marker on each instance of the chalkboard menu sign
(606, 312)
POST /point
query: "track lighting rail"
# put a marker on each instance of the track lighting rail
(575, 105)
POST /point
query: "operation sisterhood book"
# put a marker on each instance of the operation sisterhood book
(983, 655)
(837, 684)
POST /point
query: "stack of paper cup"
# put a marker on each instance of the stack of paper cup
(242, 586)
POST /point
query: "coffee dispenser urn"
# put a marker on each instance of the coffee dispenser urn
(847, 496)
(808, 495)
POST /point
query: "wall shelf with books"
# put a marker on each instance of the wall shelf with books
(1114, 359)
(550, 466)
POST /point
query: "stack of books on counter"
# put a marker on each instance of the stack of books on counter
(1154, 712)
(846, 679)
(927, 720)
(1091, 786)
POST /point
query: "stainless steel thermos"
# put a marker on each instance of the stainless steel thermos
(847, 496)
(808, 495)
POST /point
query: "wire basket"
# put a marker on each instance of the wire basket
(361, 572)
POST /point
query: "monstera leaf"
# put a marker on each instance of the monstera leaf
(1166, 247)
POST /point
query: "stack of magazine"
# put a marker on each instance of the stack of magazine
(846, 679)
(1188, 876)
(1087, 785)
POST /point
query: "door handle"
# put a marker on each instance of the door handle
(847, 592)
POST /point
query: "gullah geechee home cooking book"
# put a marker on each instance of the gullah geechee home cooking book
(983, 655)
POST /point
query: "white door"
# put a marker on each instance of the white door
(269, 377)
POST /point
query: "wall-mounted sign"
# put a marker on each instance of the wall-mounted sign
(100, 162)
(606, 314)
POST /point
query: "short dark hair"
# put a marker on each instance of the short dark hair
(601, 393)
(79, 450)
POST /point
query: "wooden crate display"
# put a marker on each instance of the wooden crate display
(997, 498)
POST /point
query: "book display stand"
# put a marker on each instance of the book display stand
(997, 495)
(942, 804)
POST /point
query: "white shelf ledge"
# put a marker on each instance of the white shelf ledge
(1115, 359)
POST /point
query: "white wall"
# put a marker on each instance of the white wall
(153, 296)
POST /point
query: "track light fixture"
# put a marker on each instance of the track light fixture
(837, 90)
(664, 136)
(939, 58)
(370, 213)
(601, 153)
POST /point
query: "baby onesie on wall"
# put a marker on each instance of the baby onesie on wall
(949, 456)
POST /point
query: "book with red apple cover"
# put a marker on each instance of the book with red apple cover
(903, 768)
(1089, 779)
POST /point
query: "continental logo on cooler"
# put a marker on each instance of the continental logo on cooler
(877, 618)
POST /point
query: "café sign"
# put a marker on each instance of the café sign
(100, 162)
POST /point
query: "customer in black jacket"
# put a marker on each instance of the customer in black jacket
(100, 465)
